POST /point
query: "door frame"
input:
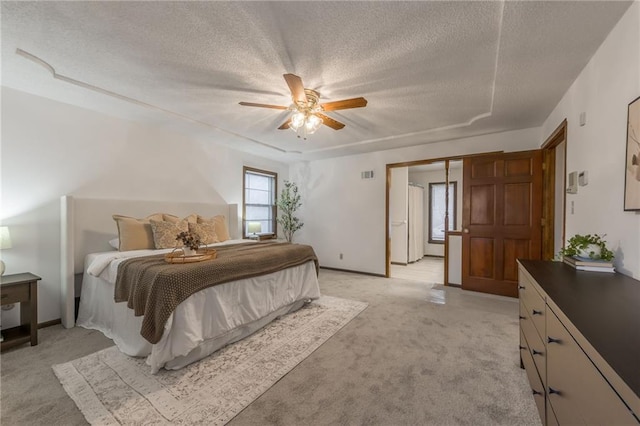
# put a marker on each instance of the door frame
(548, 148)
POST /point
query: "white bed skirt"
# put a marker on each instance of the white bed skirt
(205, 322)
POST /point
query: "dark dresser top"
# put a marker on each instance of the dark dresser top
(604, 307)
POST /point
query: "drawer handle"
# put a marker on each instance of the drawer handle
(535, 392)
(521, 317)
(552, 391)
(521, 287)
(552, 340)
(534, 312)
(533, 351)
(522, 347)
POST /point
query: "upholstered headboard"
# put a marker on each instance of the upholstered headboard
(87, 226)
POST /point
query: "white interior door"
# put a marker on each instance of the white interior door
(398, 214)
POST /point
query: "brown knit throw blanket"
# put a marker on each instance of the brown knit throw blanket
(154, 288)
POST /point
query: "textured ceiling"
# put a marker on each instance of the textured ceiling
(431, 71)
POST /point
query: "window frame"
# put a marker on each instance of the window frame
(455, 209)
(274, 208)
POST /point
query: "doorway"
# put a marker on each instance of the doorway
(424, 200)
(554, 196)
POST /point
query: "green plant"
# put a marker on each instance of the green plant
(288, 203)
(578, 243)
(189, 239)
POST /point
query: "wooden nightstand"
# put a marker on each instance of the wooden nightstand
(262, 237)
(23, 289)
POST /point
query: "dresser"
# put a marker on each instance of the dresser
(580, 343)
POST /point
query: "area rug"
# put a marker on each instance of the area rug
(111, 388)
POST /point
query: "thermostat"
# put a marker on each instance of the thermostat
(583, 178)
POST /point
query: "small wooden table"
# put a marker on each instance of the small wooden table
(23, 289)
(261, 237)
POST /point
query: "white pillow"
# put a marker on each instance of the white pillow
(115, 243)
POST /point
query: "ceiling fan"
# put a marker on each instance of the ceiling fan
(308, 115)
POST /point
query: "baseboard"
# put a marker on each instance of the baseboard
(49, 323)
(353, 272)
(398, 263)
(437, 256)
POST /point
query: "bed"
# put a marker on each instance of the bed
(201, 324)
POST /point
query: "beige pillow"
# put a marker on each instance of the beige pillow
(165, 232)
(135, 234)
(192, 218)
(206, 231)
(220, 225)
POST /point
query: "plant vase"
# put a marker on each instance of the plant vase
(592, 251)
(188, 251)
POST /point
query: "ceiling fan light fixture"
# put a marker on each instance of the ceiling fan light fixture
(307, 112)
(297, 121)
(312, 123)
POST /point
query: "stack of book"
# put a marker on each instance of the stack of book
(593, 265)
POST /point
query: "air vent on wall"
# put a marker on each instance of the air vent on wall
(367, 174)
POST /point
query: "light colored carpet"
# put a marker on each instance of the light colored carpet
(111, 388)
(418, 355)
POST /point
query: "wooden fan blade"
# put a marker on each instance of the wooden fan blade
(285, 125)
(251, 104)
(296, 87)
(328, 121)
(345, 104)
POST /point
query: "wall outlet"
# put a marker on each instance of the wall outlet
(340, 256)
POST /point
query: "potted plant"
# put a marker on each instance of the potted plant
(587, 246)
(288, 203)
(190, 241)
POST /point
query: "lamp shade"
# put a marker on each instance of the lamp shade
(254, 227)
(5, 237)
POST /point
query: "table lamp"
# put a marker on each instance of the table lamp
(254, 227)
(5, 243)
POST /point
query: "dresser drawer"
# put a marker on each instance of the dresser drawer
(536, 346)
(551, 417)
(535, 304)
(14, 294)
(537, 388)
(577, 391)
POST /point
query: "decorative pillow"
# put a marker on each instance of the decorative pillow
(192, 218)
(115, 243)
(206, 231)
(220, 225)
(164, 233)
(135, 234)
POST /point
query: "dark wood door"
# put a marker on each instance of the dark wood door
(501, 219)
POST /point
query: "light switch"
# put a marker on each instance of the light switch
(583, 118)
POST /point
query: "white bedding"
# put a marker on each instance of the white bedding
(203, 323)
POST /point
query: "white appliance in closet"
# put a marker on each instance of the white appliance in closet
(406, 218)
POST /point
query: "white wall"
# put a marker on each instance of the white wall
(603, 90)
(424, 179)
(345, 214)
(50, 149)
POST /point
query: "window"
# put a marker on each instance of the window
(437, 210)
(259, 200)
